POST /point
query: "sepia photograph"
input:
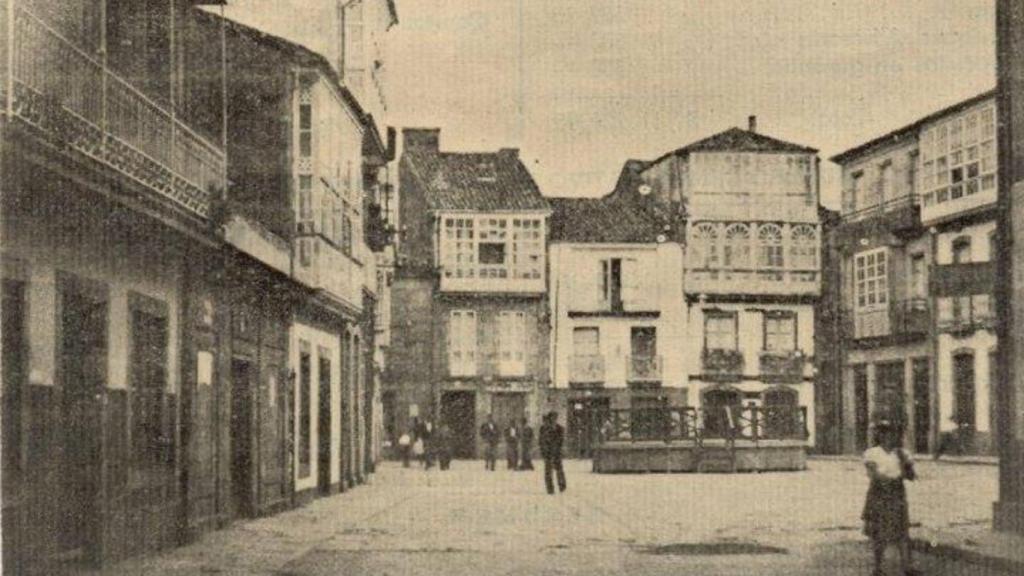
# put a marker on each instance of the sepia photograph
(512, 287)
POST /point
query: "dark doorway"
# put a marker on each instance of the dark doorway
(83, 369)
(586, 416)
(324, 424)
(891, 389)
(860, 408)
(721, 406)
(964, 411)
(993, 416)
(389, 409)
(14, 362)
(922, 405)
(508, 408)
(458, 410)
(241, 437)
(781, 415)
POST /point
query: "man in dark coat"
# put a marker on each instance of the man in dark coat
(442, 446)
(551, 437)
(525, 446)
(512, 445)
(490, 435)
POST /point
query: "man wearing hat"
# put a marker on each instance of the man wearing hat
(551, 437)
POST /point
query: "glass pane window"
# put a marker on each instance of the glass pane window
(720, 331)
(462, 343)
(871, 279)
(964, 152)
(780, 332)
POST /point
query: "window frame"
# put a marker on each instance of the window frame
(779, 315)
(463, 342)
(861, 285)
(722, 315)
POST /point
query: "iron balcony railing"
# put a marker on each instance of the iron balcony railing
(722, 363)
(643, 368)
(76, 101)
(782, 365)
(587, 369)
(891, 205)
(966, 314)
(671, 423)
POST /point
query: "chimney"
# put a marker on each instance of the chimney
(509, 153)
(752, 123)
(421, 139)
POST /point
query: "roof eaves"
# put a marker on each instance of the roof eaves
(894, 136)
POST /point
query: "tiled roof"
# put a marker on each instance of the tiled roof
(910, 129)
(739, 140)
(495, 181)
(605, 220)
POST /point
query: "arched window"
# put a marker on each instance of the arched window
(737, 247)
(704, 246)
(803, 251)
(769, 239)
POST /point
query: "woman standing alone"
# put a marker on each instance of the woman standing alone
(886, 516)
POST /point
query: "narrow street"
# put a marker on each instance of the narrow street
(467, 521)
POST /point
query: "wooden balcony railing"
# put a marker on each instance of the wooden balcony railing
(781, 366)
(722, 364)
(587, 369)
(670, 423)
(78, 103)
(643, 368)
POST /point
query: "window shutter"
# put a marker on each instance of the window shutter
(630, 283)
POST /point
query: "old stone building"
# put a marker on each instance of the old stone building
(469, 304)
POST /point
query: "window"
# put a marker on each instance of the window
(586, 342)
(491, 253)
(803, 251)
(769, 238)
(961, 250)
(512, 343)
(918, 277)
(871, 279)
(305, 202)
(149, 332)
(527, 248)
(704, 247)
(737, 247)
(462, 343)
(720, 330)
(780, 331)
(885, 182)
(304, 399)
(855, 193)
(959, 157)
(305, 125)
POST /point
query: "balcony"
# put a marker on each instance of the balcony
(643, 370)
(965, 314)
(376, 229)
(721, 365)
(962, 279)
(746, 281)
(906, 320)
(779, 366)
(586, 370)
(901, 210)
(77, 103)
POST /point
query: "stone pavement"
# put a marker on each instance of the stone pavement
(468, 521)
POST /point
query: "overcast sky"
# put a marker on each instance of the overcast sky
(582, 85)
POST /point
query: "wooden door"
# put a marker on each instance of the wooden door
(922, 405)
(241, 437)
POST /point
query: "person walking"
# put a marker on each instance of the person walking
(489, 433)
(442, 444)
(512, 446)
(886, 515)
(525, 446)
(551, 437)
(405, 448)
(428, 444)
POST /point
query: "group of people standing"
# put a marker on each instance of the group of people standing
(519, 447)
(427, 444)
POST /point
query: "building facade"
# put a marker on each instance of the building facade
(618, 315)
(751, 276)
(916, 278)
(469, 297)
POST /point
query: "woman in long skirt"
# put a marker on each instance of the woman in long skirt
(886, 518)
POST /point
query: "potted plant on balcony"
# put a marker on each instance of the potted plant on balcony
(721, 362)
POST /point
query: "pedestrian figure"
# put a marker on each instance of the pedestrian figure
(886, 516)
(525, 446)
(512, 446)
(442, 444)
(489, 433)
(551, 437)
(405, 448)
(427, 433)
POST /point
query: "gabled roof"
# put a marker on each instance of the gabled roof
(739, 140)
(629, 177)
(910, 129)
(484, 182)
(605, 220)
